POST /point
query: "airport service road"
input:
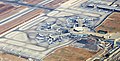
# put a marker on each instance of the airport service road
(54, 48)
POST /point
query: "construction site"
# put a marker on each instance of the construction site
(59, 30)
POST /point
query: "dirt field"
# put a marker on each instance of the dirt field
(70, 54)
(8, 57)
(111, 24)
(55, 3)
(33, 1)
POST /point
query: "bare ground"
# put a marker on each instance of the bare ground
(70, 54)
(8, 57)
(111, 24)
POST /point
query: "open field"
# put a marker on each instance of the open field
(8, 57)
(55, 3)
(111, 24)
(33, 1)
(7, 10)
(70, 54)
